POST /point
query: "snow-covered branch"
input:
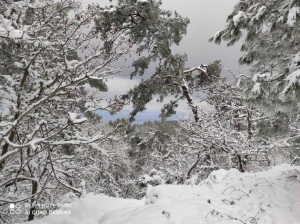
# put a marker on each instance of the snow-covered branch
(200, 69)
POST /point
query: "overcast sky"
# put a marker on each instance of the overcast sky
(206, 18)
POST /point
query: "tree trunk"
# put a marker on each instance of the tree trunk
(237, 124)
(190, 100)
(192, 168)
(32, 208)
(5, 148)
(249, 124)
(11, 138)
(241, 167)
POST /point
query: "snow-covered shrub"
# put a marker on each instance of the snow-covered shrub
(154, 178)
(226, 136)
(144, 181)
(271, 50)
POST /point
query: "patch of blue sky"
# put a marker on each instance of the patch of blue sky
(148, 115)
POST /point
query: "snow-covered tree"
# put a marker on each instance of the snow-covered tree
(58, 70)
(224, 137)
(153, 31)
(271, 47)
(148, 138)
(106, 167)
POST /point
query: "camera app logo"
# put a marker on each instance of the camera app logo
(15, 209)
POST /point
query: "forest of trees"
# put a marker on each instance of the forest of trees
(56, 58)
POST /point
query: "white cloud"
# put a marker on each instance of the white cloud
(120, 85)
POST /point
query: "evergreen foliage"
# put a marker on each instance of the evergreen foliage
(271, 47)
(152, 32)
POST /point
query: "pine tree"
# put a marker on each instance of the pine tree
(153, 31)
(271, 47)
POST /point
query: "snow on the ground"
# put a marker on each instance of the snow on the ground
(89, 210)
(268, 197)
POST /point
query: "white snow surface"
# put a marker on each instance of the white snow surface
(260, 12)
(266, 197)
(89, 210)
(256, 90)
(237, 18)
(292, 80)
(292, 16)
(74, 118)
(7, 30)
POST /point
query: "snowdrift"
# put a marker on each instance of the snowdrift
(266, 197)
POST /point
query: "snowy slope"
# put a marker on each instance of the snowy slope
(266, 197)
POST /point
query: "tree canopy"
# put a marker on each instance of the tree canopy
(153, 31)
(271, 47)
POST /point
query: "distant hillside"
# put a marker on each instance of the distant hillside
(149, 115)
